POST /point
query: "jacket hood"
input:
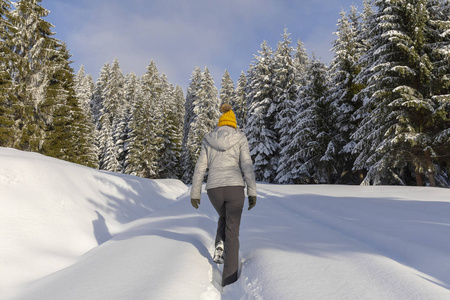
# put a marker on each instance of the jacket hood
(223, 138)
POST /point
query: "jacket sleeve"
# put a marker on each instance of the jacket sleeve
(199, 173)
(247, 167)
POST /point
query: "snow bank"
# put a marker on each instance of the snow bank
(52, 212)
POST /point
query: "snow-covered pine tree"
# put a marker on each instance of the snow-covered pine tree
(312, 143)
(171, 136)
(343, 70)
(131, 93)
(7, 97)
(240, 101)
(261, 136)
(396, 133)
(438, 49)
(179, 107)
(96, 104)
(301, 60)
(366, 25)
(148, 128)
(286, 87)
(33, 45)
(84, 88)
(227, 93)
(103, 111)
(206, 111)
(109, 112)
(186, 161)
(70, 134)
(97, 96)
(138, 157)
(121, 130)
(114, 101)
(120, 133)
(364, 37)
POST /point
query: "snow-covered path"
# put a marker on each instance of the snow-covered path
(299, 242)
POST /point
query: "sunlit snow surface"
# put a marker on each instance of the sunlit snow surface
(71, 232)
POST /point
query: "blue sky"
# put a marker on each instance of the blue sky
(182, 34)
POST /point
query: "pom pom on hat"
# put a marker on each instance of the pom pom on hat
(225, 108)
(228, 117)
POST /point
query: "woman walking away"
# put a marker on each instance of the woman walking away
(226, 155)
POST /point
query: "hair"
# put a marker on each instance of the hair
(225, 108)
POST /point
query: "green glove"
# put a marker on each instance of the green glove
(251, 202)
(195, 202)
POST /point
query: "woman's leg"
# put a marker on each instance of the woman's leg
(234, 202)
(217, 200)
(228, 202)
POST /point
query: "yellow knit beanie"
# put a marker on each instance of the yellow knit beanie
(228, 117)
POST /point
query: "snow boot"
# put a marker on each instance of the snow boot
(218, 253)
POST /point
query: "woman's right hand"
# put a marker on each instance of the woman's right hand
(251, 202)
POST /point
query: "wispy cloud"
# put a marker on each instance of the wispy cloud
(180, 35)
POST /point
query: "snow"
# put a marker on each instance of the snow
(71, 232)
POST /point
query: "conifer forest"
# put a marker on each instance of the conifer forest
(378, 114)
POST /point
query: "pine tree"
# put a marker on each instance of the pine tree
(179, 102)
(139, 159)
(367, 22)
(240, 101)
(116, 108)
(109, 110)
(120, 133)
(59, 142)
(312, 143)
(106, 99)
(171, 136)
(187, 162)
(132, 94)
(437, 47)
(260, 134)
(96, 104)
(97, 96)
(301, 61)
(206, 111)
(32, 45)
(396, 132)
(114, 100)
(146, 127)
(344, 68)
(286, 89)
(7, 99)
(70, 134)
(84, 88)
(227, 91)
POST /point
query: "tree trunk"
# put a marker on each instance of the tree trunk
(361, 176)
(432, 179)
(419, 179)
(430, 168)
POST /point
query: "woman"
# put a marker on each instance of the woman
(225, 153)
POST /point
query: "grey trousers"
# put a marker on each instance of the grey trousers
(228, 202)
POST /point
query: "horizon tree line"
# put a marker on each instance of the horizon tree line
(378, 114)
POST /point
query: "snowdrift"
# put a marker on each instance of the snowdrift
(71, 232)
(52, 212)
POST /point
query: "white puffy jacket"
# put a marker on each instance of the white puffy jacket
(226, 155)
